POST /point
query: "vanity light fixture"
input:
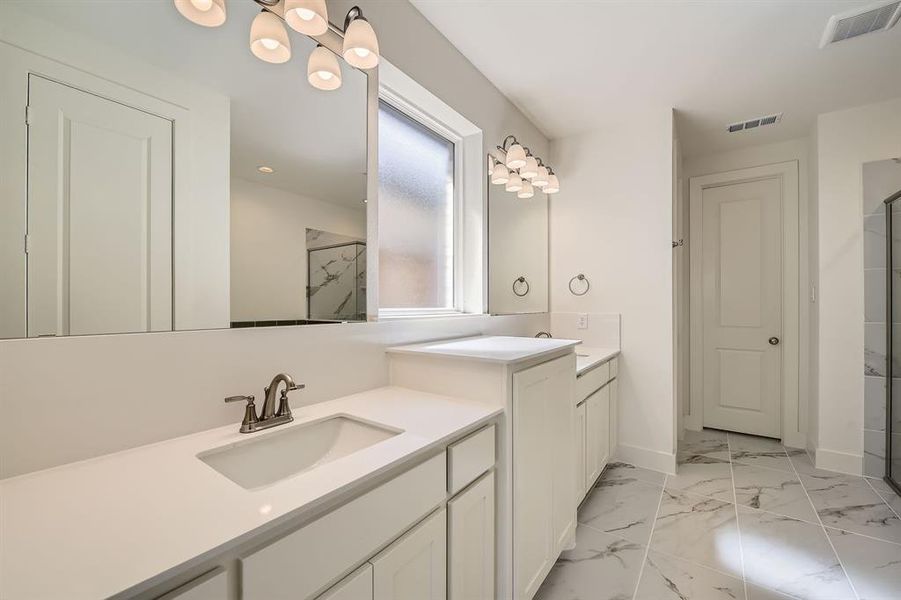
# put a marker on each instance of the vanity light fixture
(323, 70)
(309, 17)
(526, 171)
(530, 169)
(514, 184)
(527, 191)
(499, 174)
(540, 179)
(209, 13)
(361, 47)
(269, 39)
(265, 170)
(553, 186)
(516, 157)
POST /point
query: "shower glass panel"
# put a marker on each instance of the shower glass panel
(337, 282)
(883, 179)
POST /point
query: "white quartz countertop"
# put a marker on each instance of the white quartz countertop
(588, 357)
(99, 527)
(495, 348)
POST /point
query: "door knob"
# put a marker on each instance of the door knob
(774, 341)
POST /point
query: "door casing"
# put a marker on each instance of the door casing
(793, 421)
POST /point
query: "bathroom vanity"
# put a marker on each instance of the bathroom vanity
(398, 503)
(533, 381)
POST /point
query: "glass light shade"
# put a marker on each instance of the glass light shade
(530, 169)
(553, 186)
(540, 180)
(269, 38)
(516, 157)
(527, 190)
(361, 47)
(323, 71)
(309, 17)
(499, 174)
(209, 13)
(514, 184)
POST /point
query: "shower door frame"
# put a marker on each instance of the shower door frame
(889, 338)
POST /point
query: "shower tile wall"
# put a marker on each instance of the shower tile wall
(880, 179)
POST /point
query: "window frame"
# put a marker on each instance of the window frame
(419, 105)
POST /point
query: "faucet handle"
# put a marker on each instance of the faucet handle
(250, 420)
(283, 409)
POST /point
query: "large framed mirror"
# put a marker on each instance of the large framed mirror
(518, 239)
(158, 176)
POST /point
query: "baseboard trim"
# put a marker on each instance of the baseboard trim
(795, 439)
(646, 458)
(842, 462)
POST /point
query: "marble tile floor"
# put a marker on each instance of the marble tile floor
(745, 518)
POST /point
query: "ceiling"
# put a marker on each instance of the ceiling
(573, 66)
(315, 140)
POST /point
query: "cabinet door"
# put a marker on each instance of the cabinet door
(597, 433)
(544, 508)
(579, 437)
(356, 586)
(212, 585)
(415, 566)
(471, 542)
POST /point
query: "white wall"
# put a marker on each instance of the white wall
(612, 220)
(755, 156)
(845, 140)
(72, 398)
(269, 248)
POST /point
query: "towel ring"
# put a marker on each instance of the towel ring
(579, 277)
(521, 279)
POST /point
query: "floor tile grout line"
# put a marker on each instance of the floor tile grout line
(881, 497)
(826, 533)
(647, 550)
(741, 550)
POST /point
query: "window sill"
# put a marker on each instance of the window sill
(419, 316)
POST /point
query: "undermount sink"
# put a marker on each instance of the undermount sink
(278, 455)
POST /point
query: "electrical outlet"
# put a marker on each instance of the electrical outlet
(582, 321)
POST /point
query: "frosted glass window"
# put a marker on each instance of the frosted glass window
(416, 214)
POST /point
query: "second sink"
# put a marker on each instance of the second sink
(266, 460)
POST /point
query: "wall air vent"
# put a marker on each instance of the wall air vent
(879, 16)
(755, 123)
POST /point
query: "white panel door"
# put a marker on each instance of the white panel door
(99, 214)
(742, 306)
(415, 566)
(471, 541)
(544, 508)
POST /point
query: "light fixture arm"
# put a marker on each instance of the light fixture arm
(508, 141)
(267, 3)
(353, 14)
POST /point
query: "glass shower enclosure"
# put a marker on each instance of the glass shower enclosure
(884, 178)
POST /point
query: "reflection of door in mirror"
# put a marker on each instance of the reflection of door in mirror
(99, 215)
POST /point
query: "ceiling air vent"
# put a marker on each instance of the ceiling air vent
(755, 122)
(870, 18)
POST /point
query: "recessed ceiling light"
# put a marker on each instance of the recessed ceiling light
(265, 169)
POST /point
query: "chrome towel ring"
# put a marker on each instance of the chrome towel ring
(521, 280)
(580, 277)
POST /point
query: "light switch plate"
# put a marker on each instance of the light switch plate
(582, 321)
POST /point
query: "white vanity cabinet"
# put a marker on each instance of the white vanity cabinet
(471, 541)
(415, 566)
(543, 471)
(595, 423)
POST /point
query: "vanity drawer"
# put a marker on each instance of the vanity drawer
(317, 555)
(592, 380)
(469, 458)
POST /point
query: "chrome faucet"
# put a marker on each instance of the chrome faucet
(269, 416)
